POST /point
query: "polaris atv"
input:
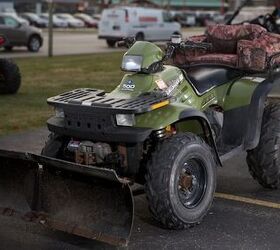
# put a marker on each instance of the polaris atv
(10, 78)
(168, 127)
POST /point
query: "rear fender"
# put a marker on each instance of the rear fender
(268, 90)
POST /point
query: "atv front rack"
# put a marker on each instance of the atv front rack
(100, 100)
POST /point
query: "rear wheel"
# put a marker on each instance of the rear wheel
(8, 48)
(181, 181)
(264, 160)
(10, 78)
(111, 43)
(34, 43)
(140, 37)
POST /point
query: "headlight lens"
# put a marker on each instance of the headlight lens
(125, 120)
(132, 63)
(59, 113)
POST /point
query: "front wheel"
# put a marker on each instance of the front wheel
(181, 181)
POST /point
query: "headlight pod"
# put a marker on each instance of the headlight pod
(125, 120)
(59, 113)
(132, 63)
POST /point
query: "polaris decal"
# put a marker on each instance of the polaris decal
(173, 84)
(161, 84)
(128, 86)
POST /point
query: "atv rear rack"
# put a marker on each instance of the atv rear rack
(100, 100)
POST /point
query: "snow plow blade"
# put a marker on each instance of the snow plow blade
(87, 201)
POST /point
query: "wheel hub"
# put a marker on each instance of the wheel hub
(191, 184)
(185, 181)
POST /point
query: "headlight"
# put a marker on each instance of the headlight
(132, 63)
(59, 113)
(125, 120)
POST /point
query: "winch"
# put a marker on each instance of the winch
(89, 153)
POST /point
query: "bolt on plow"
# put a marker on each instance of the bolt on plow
(67, 197)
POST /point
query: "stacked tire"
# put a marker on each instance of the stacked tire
(10, 78)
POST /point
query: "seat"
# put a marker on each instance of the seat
(204, 78)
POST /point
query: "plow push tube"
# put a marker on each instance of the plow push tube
(82, 200)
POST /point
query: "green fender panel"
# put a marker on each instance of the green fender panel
(160, 118)
(240, 93)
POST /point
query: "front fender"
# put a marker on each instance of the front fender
(205, 124)
(162, 117)
(173, 113)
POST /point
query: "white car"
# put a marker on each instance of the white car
(72, 21)
(57, 22)
(142, 23)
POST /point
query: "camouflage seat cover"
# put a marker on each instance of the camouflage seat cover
(246, 46)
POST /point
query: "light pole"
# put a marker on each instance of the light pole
(51, 10)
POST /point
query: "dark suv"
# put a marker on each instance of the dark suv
(20, 33)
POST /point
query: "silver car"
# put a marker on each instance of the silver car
(19, 33)
(71, 20)
(57, 22)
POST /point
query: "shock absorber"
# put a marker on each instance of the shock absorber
(165, 132)
(160, 134)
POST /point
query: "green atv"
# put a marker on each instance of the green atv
(10, 78)
(166, 127)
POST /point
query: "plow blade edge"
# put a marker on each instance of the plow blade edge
(82, 200)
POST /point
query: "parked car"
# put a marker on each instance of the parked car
(18, 33)
(35, 20)
(185, 19)
(72, 21)
(57, 22)
(202, 18)
(88, 20)
(7, 8)
(143, 23)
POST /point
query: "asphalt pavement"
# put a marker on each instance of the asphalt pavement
(243, 215)
(73, 43)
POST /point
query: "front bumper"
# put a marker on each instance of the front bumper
(80, 129)
(90, 114)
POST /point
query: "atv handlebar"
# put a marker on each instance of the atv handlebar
(195, 45)
(172, 47)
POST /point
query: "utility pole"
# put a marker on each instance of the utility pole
(222, 7)
(51, 10)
